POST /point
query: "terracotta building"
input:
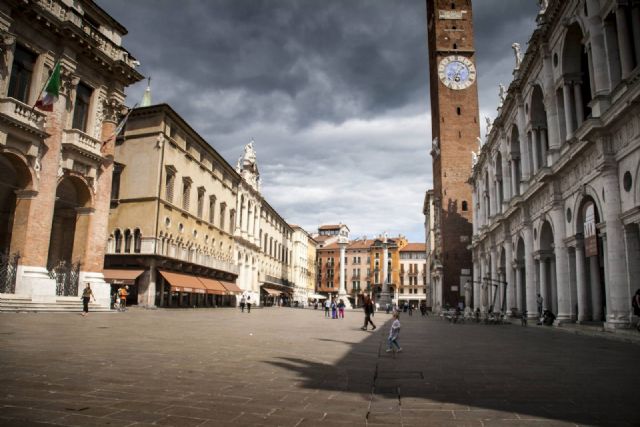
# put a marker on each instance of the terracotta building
(56, 167)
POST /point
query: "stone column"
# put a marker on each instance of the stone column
(543, 147)
(150, 297)
(477, 271)
(553, 301)
(613, 53)
(594, 280)
(535, 148)
(517, 270)
(581, 281)
(617, 288)
(635, 27)
(385, 296)
(495, 281)
(509, 275)
(342, 290)
(577, 94)
(624, 41)
(568, 109)
(544, 283)
(529, 266)
(525, 155)
(515, 188)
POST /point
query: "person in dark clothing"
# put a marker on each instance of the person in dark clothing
(249, 304)
(423, 308)
(87, 294)
(368, 311)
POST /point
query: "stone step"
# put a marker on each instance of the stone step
(20, 303)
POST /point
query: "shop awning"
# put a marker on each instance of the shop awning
(317, 296)
(272, 291)
(183, 282)
(231, 287)
(127, 277)
(213, 286)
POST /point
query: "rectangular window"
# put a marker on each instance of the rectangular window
(115, 181)
(21, 72)
(186, 192)
(168, 186)
(81, 107)
(223, 207)
(212, 208)
(200, 202)
(232, 220)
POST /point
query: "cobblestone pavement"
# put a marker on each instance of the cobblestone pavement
(293, 367)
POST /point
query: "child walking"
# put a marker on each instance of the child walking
(394, 333)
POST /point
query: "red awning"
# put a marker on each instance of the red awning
(272, 291)
(231, 287)
(213, 286)
(127, 277)
(183, 282)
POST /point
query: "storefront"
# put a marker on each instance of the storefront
(118, 278)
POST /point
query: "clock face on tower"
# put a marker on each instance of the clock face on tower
(456, 72)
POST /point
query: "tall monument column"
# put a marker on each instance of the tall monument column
(385, 295)
(342, 291)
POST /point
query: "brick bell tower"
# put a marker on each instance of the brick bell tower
(455, 132)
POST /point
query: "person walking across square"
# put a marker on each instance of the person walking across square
(341, 306)
(368, 311)
(123, 293)
(87, 294)
(249, 304)
(327, 306)
(242, 303)
(394, 333)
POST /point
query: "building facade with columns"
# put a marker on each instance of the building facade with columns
(56, 167)
(173, 214)
(264, 245)
(555, 186)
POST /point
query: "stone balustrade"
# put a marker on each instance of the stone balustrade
(80, 141)
(22, 115)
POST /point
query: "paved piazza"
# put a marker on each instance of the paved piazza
(293, 367)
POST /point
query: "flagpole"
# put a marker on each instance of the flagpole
(120, 126)
(33, 107)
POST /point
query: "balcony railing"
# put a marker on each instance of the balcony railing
(80, 141)
(102, 42)
(23, 115)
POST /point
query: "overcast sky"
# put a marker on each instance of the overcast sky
(334, 92)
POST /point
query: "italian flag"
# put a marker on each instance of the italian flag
(51, 90)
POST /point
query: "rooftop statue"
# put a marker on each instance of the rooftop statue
(544, 4)
(518, 54)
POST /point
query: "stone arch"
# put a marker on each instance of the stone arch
(71, 216)
(15, 177)
(520, 274)
(635, 186)
(516, 159)
(591, 289)
(499, 174)
(576, 74)
(587, 191)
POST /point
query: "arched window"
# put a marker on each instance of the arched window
(127, 241)
(137, 241)
(117, 237)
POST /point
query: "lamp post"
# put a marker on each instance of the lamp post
(342, 291)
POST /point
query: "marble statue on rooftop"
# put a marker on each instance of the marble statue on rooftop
(518, 54)
(544, 4)
(502, 94)
(489, 124)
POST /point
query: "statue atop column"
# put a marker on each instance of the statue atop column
(489, 122)
(247, 166)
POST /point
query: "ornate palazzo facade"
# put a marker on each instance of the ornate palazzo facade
(56, 167)
(555, 186)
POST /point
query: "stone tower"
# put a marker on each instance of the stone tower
(455, 131)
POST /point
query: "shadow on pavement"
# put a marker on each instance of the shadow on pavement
(483, 375)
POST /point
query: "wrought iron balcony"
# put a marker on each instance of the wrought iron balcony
(23, 116)
(77, 140)
(278, 281)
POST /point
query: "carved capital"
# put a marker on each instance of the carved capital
(113, 108)
(7, 40)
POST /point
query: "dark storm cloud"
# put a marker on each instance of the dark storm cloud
(335, 92)
(330, 60)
